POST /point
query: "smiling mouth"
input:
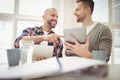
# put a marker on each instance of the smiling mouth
(54, 22)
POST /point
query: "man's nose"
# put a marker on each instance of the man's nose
(56, 18)
(74, 13)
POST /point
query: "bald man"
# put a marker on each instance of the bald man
(44, 33)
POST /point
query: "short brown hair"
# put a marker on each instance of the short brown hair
(90, 3)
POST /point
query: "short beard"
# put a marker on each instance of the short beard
(50, 25)
(80, 20)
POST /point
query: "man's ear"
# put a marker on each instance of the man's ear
(88, 10)
(43, 17)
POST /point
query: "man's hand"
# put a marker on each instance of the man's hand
(78, 49)
(40, 58)
(52, 38)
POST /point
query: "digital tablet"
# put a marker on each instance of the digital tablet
(42, 51)
(79, 33)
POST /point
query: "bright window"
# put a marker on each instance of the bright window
(7, 6)
(27, 14)
(6, 34)
(33, 7)
(25, 24)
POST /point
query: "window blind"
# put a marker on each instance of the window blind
(101, 11)
(116, 40)
(116, 11)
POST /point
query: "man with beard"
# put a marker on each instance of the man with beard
(44, 33)
(99, 36)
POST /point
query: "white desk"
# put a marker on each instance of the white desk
(3, 67)
(113, 73)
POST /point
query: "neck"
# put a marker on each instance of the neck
(46, 28)
(88, 21)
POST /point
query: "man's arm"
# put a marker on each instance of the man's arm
(79, 49)
(106, 42)
(38, 39)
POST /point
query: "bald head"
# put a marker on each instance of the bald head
(50, 18)
(49, 10)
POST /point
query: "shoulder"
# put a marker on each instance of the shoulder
(102, 27)
(32, 28)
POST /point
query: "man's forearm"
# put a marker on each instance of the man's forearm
(88, 55)
(36, 39)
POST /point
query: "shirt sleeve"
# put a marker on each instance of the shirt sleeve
(106, 42)
(24, 33)
(58, 49)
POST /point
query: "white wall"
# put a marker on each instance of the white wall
(68, 14)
